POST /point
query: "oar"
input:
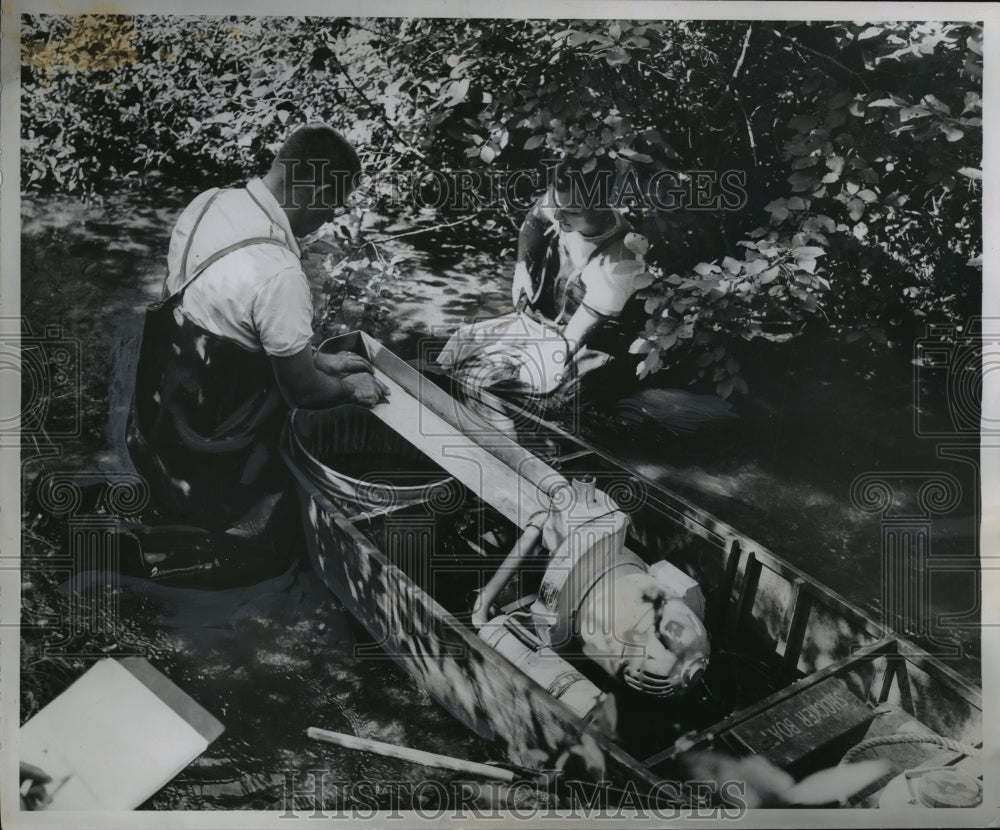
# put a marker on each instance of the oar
(416, 756)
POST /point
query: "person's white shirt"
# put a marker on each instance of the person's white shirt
(606, 292)
(257, 296)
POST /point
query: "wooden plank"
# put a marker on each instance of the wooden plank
(732, 568)
(501, 486)
(747, 595)
(808, 729)
(903, 681)
(970, 693)
(888, 678)
(795, 631)
(442, 410)
(726, 588)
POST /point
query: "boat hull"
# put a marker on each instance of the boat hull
(781, 632)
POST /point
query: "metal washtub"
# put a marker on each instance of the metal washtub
(363, 465)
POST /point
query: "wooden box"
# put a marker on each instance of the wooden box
(805, 731)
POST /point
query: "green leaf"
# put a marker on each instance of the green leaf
(950, 132)
(457, 92)
(616, 56)
(640, 346)
(937, 104)
(867, 195)
(637, 243)
(971, 173)
(909, 113)
(839, 100)
(634, 156)
(731, 265)
(534, 142)
(800, 181)
(803, 123)
(807, 252)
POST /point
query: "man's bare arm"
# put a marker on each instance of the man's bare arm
(305, 385)
(531, 245)
(580, 326)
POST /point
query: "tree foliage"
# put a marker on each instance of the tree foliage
(855, 148)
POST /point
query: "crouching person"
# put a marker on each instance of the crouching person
(227, 351)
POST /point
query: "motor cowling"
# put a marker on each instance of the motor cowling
(603, 600)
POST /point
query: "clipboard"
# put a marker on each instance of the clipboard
(116, 736)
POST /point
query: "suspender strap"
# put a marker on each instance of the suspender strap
(215, 257)
(194, 231)
(243, 243)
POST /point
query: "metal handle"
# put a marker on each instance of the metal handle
(481, 611)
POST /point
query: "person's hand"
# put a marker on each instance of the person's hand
(341, 364)
(366, 390)
(521, 284)
(34, 796)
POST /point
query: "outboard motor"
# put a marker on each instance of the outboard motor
(630, 619)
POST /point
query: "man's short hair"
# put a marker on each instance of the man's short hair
(592, 187)
(331, 154)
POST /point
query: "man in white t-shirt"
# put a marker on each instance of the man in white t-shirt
(572, 263)
(227, 350)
